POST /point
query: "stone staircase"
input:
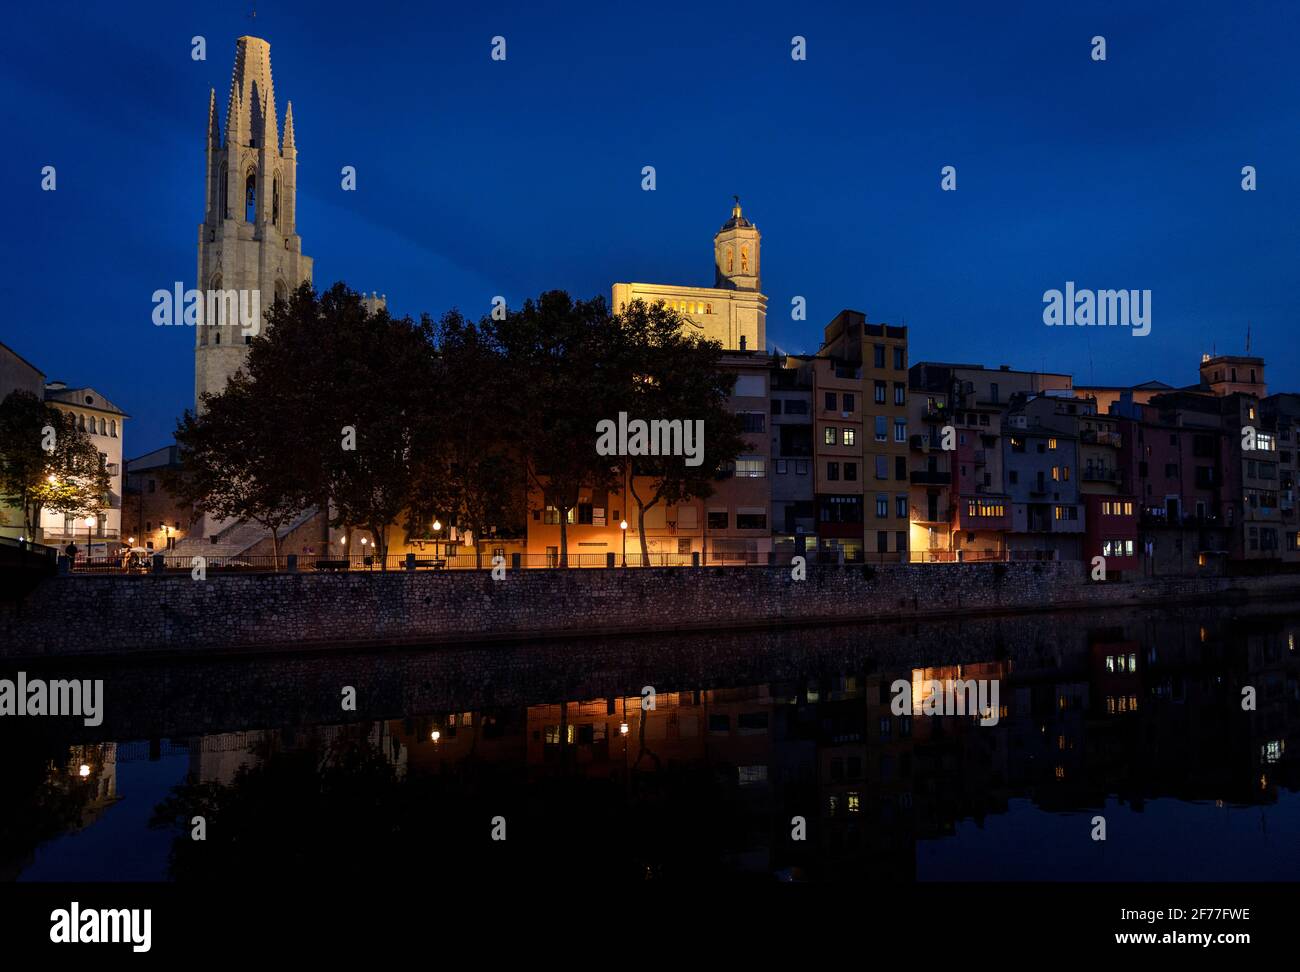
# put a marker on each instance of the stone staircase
(236, 539)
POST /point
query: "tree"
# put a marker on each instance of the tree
(69, 478)
(564, 375)
(388, 366)
(326, 410)
(467, 459)
(677, 378)
(233, 461)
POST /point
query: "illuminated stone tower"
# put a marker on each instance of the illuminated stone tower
(248, 239)
(735, 253)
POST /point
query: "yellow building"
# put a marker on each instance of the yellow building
(733, 311)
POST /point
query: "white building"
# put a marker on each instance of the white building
(103, 422)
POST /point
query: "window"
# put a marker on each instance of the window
(832, 471)
(993, 392)
(751, 467)
(829, 435)
(851, 472)
(878, 355)
(753, 422)
(750, 520)
(900, 430)
(1051, 444)
(112, 428)
(985, 508)
(830, 401)
(900, 507)
(900, 541)
(899, 363)
(882, 506)
(882, 428)
(882, 467)
(850, 437)
(250, 197)
(880, 392)
(900, 468)
(796, 407)
(801, 467)
(718, 519)
(848, 402)
(900, 393)
(585, 514)
(782, 467)
(776, 406)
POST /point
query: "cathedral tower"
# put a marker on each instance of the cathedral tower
(735, 253)
(248, 239)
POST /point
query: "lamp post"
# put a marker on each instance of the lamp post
(90, 523)
(437, 526)
(623, 526)
(363, 551)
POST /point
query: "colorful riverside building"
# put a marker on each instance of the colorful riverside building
(961, 502)
(860, 440)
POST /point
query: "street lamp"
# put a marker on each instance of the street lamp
(90, 523)
(437, 526)
(364, 541)
(623, 526)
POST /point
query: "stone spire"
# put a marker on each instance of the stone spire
(214, 129)
(232, 118)
(251, 80)
(290, 148)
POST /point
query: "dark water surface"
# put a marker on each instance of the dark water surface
(1133, 716)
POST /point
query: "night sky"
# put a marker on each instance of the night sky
(478, 178)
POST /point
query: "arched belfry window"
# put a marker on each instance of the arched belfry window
(250, 197)
(223, 183)
(275, 202)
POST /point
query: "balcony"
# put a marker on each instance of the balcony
(942, 514)
(1095, 437)
(923, 443)
(927, 478)
(1094, 475)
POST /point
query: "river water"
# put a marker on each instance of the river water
(765, 756)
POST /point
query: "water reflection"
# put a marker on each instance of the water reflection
(1135, 716)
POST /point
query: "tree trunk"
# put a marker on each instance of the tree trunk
(640, 526)
(564, 537)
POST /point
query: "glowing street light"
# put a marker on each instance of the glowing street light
(623, 527)
(83, 771)
(435, 735)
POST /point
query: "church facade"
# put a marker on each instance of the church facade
(733, 311)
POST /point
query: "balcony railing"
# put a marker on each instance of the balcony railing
(1094, 475)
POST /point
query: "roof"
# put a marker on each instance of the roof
(84, 397)
(22, 359)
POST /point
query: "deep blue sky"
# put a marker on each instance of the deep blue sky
(479, 178)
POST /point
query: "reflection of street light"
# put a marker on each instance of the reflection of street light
(623, 526)
(83, 771)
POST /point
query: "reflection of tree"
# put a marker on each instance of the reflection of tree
(342, 811)
(42, 800)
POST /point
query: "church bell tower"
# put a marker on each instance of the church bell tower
(248, 240)
(735, 253)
